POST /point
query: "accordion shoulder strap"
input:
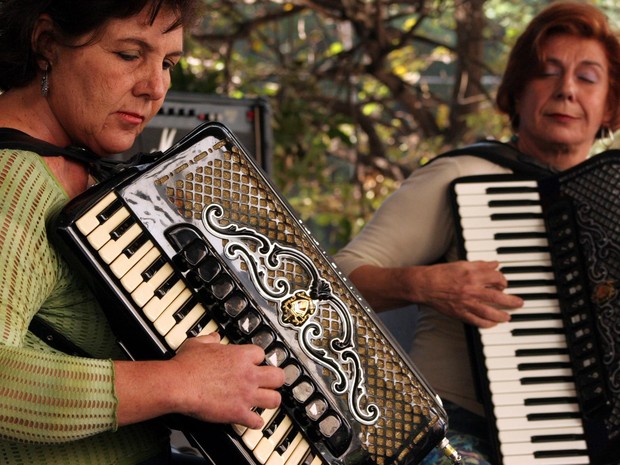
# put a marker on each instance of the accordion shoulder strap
(504, 155)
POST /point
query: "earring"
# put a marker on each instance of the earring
(45, 87)
(607, 137)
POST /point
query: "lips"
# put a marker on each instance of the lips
(130, 117)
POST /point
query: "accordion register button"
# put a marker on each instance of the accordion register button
(276, 356)
(263, 338)
(235, 304)
(291, 373)
(181, 236)
(222, 287)
(302, 391)
(195, 252)
(335, 433)
(316, 408)
(248, 323)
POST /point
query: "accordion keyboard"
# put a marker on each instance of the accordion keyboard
(169, 304)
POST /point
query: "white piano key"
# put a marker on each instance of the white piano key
(528, 459)
(505, 258)
(501, 338)
(513, 398)
(114, 248)
(484, 199)
(508, 326)
(178, 334)
(488, 233)
(156, 306)
(299, 454)
(544, 289)
(484, 211)
(502, 363)
(520, 423)
(485, 245)
(530, 448)
(267, 445)
(507, 412)
(166, 321)
(124, 264)
(509, 350)
(526, 435)
(146, 290)
(253, 436)
(89, 220)
(133, 278)
(502, 226)
(100, 235)
(515, 375)
(212, 327)
(277, 458)
(515, 387)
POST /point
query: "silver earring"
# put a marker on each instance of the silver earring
(45, 86)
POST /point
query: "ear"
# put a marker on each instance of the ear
(43, 42)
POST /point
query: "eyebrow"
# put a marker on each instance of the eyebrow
(148, 47)
(593, 63)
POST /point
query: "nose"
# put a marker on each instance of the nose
(152, 83)
(566, 88)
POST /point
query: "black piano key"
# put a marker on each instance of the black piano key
(515, 284)
(135, 245)
(286, 441)
(524, 269)
(163, 289)
(514, 216)
(184, 310)
(546, 380)
(271, 427)
(107, 213)
(122, 228)
(510, 189)
(524, 249)
(518, 317)
(536, 331)
(512, 203)
(552, 416)
(542, 366)
(550, 400)
(547, 454)
(542, 438)
(153, 268)
(200, 325)
(508, 236)
(538, 296)
(540, 352)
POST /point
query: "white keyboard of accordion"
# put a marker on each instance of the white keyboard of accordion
(272, 449)
(548, 405)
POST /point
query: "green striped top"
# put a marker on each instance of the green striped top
(54, 408)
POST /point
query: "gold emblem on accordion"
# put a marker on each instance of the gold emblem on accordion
(298, 308)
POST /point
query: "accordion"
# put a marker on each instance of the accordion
(551, 375)
(199, 241)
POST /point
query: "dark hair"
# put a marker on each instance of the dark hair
(73, 18)
(525, 60)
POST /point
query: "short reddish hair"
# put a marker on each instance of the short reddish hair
(525, 60)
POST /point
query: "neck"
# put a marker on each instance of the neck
(556, 155)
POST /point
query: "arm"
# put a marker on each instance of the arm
(391, 261)
(207, 380)
(469, 291)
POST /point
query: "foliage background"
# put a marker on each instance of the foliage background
(362, 92)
